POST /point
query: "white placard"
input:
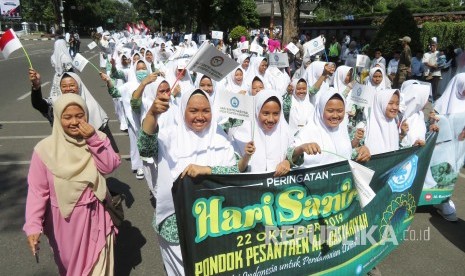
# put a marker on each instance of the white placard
(362, 61)
(217, 35)
(279, 60)
(292, 48)
(234, 105)
(362, 95)
(314, 46)
(100, 30)
(362, 178)
(92, 45)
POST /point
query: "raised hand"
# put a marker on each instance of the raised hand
(34, 77)
(86, 130)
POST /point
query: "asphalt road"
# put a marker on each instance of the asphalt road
(435, 246)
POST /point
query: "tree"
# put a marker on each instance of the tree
(290, 12)
(398, 23)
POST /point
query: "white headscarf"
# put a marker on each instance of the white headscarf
(270, 147)
(335, 140)
(61, 59)
(453, 98)
(382, 85)
(69, 160)
(415, 96)
(301, 110)
(185, 83)
(241, 59)
(313, 73)
(97, 116)
(180, 146)
(340, 77)
(231, 84)
(382, 132)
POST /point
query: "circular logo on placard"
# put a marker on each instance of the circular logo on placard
(315, 43)
(234, 102)
(216, 61)
(276, 58)
(76, 63)
(359, 91)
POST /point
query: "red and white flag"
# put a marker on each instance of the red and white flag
(9, 43)
(129, 28)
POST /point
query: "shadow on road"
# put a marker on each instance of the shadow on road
(128, 248)
(115, 185)
(452, 231)
(13, 192)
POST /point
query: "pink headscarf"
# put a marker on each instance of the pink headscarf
(242, 39)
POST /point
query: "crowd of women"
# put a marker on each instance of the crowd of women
(304, 120)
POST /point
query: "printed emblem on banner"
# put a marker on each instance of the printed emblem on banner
(76, 63)
(234, 102)
(428, 197)
(216, 61)
(359, 91)
(402, 178)
(276, 58)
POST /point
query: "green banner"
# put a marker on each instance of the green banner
(447, 160)
(307, 222)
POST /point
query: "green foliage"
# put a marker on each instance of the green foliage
(447, 33)
(237, 32)
(398, 23)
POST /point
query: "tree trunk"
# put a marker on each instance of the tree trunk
(290, 13)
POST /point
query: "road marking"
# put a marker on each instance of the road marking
(43, 136)
(22, 56)
(29, 93)
(27, 162)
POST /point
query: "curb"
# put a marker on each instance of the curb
(37, 39)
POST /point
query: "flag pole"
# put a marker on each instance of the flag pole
(98, 70)
(27, 56)
(340, 156)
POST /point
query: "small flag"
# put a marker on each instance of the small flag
(217, 35)
(314, 46)
(211, 62)
(79, 62)
(234, 105)
(362, 178)
(9, 43)
(279, 60)
(92, 45)
(129, 28)
(292, 48)
(362, 61)
(362, 95)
